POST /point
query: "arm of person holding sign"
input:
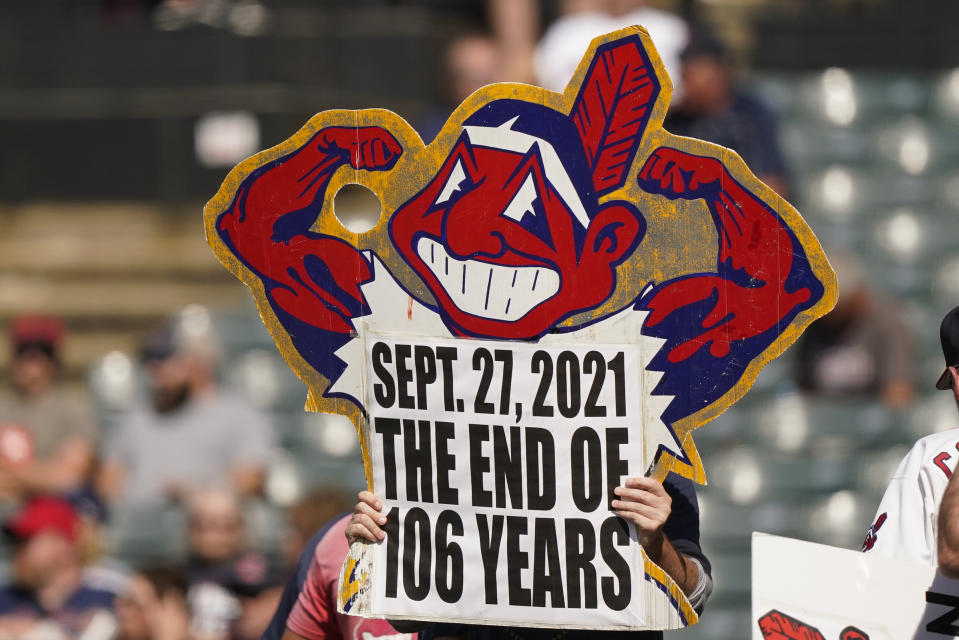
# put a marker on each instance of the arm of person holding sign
(646, 503)
(313, 616)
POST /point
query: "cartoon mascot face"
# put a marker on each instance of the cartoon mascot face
(509, 236)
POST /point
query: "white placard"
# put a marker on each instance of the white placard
(807, 591)
(496, 462)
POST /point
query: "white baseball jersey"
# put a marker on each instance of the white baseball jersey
(905, 524)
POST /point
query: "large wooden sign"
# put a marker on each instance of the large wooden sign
(557, 293)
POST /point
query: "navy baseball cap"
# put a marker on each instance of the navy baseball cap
(949, 335)
(160, 344)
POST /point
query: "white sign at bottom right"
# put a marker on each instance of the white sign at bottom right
(807, 591)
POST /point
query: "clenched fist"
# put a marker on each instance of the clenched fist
(371, 148)
(676, 174)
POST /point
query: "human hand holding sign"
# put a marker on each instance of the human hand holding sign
(642, 501)
(366, 520)
(645, 503)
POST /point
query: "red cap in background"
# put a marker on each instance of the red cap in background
(41, 514)
(47, 331)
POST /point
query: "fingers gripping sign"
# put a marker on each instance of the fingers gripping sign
(645, 503)
(366, 520)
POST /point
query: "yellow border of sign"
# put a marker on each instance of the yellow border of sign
(419, 163)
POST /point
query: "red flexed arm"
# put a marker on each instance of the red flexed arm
(312, 277)
(755, 256)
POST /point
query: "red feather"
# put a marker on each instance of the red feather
(612, 110)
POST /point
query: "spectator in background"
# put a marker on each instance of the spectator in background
(193, 435)
(515, 24)
(918, 516)
(861, 348)
(470, 61)
(153, 606)
(216, 534)
(565, 41)
(47, 434)
(233, 589)
(100, 570)
(309, 515)
(46, 594)
(308, 607)
(712, 108)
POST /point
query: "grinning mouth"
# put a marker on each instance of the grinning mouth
(488, 290)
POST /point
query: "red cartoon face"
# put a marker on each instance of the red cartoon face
(504, 239)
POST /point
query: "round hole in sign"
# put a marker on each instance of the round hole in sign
(357, 208)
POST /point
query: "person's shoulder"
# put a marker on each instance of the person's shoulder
(935, 441)
(747, 104)
(7, 398)
(136, 418)
(12, 599)
(676, 483)
(87, 597)
(71, 397)
(333, 544)
(232, 404)
(927, 449)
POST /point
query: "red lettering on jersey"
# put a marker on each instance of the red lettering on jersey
(873, 533)
(940, 461)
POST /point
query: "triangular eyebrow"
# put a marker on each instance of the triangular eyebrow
(503, 137)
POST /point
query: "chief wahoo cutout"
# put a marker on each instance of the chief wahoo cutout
(557, 293)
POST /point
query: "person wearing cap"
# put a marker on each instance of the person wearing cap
(193, 433)
(233, 588)
(947, 546)
(153, 606)
(46, 593)
(47, 434)
(713, 108)
(307, 610)
(918, 517)
(862, 348)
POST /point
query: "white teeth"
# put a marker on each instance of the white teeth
(488, 290)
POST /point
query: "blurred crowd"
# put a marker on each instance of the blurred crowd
(190, 459)
(190, 446)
